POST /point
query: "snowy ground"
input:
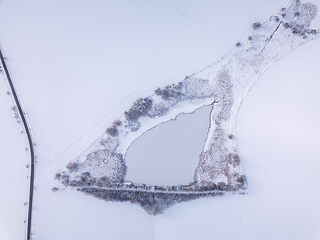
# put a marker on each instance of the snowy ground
(74, 79)
(14, 184)
(277, 133)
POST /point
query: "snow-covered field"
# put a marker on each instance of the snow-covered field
(278, 143)
(14, 158)
(78, 66)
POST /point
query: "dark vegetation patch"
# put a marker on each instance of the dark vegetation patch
(313, 31)
(73, 167)
(140, 108)
(58, 176)
(256, 25)
(172, 91)
(156, 199)
(113, 131)
(86, 180)
(299, 29)
(152, 202)
(65, 179)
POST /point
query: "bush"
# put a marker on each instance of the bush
(222, 186)
(117, 123)
(235, 159)
(104, 182)
(86, 179)
(73, 167)
(172, 91)
(256, 25)
(242, 181)
(286, 25)
(158, 91)
(113, 131)
(65, 179)
(299, 29)
(140, 108)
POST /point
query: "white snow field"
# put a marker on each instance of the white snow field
(14, 185)
(277, 133)
(78, 65)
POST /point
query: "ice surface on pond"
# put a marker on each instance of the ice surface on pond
(169, 153)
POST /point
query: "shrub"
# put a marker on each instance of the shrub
(241, 182)
(256, 25)
(299, 29)
(222, 186)
(140, 108)
(113, 131)
(158, 91)
(65, 179)
(172, 91)
(235, 159)
(104, 182)
(73, 167)
(117, 123)
(286, 25)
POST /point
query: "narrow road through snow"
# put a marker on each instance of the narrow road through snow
(26, 127)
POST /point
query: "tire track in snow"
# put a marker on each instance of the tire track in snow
(26, 127)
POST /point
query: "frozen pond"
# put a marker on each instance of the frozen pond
(169, 153)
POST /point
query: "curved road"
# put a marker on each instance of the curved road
(26, 127)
